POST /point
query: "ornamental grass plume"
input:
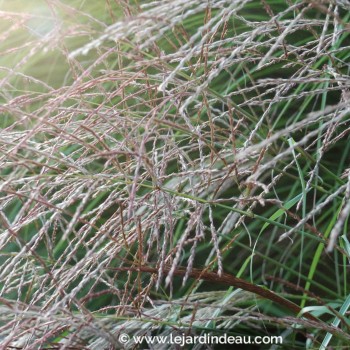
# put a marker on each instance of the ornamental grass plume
(174, 165)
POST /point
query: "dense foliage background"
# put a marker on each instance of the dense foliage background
(152, 150)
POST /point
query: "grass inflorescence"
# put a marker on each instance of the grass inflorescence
(174, 164)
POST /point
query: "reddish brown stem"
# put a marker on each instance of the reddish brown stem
(227, 279)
